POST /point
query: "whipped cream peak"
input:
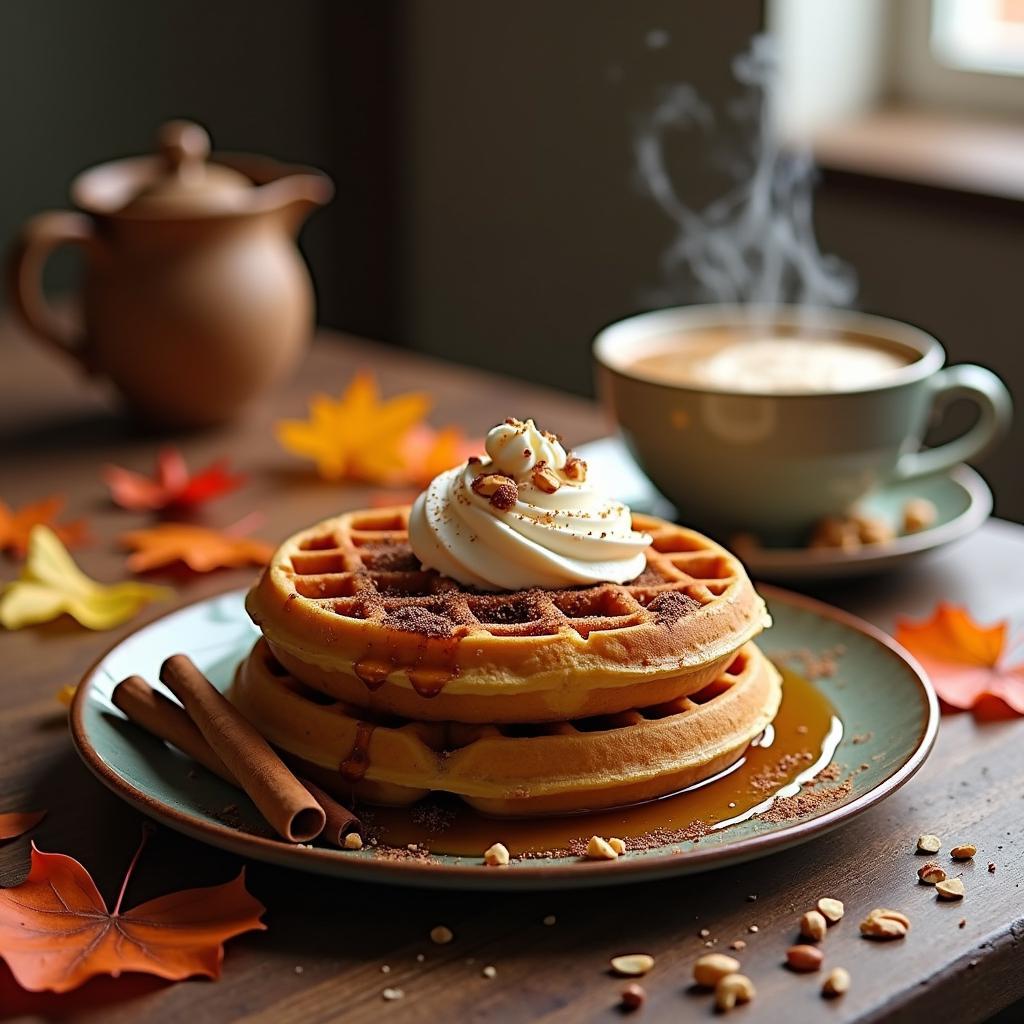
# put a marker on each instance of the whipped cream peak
(524, 516)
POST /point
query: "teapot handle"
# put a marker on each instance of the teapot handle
(38, 238)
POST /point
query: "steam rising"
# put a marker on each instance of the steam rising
(756, 243)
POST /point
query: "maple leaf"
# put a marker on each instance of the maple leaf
(51, 585)
(966, 662)
(56, 931)
(427, 452)
(171, 485)
(17, 823)
(15, 527)
(358, 436)
(199, 547)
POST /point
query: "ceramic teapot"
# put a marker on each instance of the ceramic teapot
(195, 297)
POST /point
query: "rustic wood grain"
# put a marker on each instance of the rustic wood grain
(327, 941)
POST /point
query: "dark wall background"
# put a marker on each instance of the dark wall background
(486, 207)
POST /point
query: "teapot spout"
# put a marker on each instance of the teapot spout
(297, 196)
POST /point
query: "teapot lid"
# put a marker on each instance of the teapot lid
(184, 182)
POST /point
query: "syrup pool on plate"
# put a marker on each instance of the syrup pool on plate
(798, 745)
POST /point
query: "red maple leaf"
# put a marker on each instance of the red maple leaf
(171, 485)
(56, 931)
(966, 662)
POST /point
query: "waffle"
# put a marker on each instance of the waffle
(600, 762)
(346, 607)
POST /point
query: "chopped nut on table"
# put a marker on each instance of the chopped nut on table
(617, 845)
(711, 967)
(950, 889)
(928, 843)
(884, 924)
(600, 849)
(931, 873)
(837, 983)
(731, 990)
(632, 997)
(490, 971)
(632, 965)
(496, 856)
(965, 851)
(813, 926)
(831, 909)
(804, 958)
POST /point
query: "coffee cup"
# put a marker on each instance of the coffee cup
(769, 419)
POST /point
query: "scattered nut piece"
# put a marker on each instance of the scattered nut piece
(965, 851)
(385, 969)
(633, 997)
(883, 924)
(804, 958)
(490, 971)
(543, 477)
(575, 469)
(830, 909)
(441, 935)
(705, 933)
(731, 990)
(496, 856)
(873, 530)
(813, 926)
(928, 844)
(600, 849)
(950, 889)
(632, 965)
(739, 945)
(709, 968)
(991, 868)
(835, 533)
(353, 841)
(392, 993)
(931, 873)
(837, 983)
(617, 845)
(919, 514)
(500, 490)
(752, 928)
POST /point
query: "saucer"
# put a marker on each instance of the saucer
(961, 498)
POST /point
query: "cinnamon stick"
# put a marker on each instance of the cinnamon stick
(281, 798)
(168, 721)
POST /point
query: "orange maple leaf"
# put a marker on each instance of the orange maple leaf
(358, 436)
(15, 527)
(427, 452)
(17, 823)
(56, 931)
(199, 547)
(966, 662)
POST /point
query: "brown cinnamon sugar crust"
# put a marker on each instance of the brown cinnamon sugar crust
(346, 608)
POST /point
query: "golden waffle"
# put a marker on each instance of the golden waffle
(507, 770)
(347, 609)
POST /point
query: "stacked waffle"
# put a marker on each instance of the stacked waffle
(389, 680)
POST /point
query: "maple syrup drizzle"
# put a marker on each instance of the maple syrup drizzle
(804, 735)
(355, 766)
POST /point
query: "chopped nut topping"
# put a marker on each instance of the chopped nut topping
(731, 990)
(617, 845)
(931, 873)
(600, 849)
(928, 844)
(575, 469)
(441, 935)
(544, 478)
(950, 889)
(884, 924)
(353, 841)
(804, 958)
(632, 965)
(830, 909)
(963, 852)
(499, 490)
(633, 997)
(710, 968)
(496, 856)
(837, 983)
(813, 926)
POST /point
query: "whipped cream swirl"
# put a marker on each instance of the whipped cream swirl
(524, 517)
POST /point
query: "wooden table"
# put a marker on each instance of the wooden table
(328, 942)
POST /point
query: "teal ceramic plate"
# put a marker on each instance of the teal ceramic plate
(961, 498)
(879, 693)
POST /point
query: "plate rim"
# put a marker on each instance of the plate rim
(535, 876)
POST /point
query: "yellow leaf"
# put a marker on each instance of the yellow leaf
(51, 585)
(358, 436)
